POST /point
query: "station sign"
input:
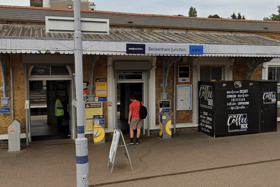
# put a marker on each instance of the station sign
(164, 49)
(135, 48)
(196, 49)
(5, 110)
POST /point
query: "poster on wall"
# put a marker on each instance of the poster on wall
(101, 87)
(184, 97)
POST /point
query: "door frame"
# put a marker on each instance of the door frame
(145, 83)
(227, 70)
(30, 77)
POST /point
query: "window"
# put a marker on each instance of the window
(59, 70)
(210, 73)
(49, 70)
(41, 70)
(274, 74)
(129, 75)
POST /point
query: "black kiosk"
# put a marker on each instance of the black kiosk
(229, 108)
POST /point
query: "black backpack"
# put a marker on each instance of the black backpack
(143, 111)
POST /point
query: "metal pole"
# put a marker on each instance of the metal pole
(12, 87)
(175, 98)
(81, 141)
(26, 107)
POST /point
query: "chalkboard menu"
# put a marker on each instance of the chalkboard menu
(230, 107)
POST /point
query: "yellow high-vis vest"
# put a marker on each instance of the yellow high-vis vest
(58, 112)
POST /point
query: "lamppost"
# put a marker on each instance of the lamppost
(81, 142)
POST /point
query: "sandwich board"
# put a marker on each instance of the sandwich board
(114, 148)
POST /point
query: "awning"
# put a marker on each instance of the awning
(33, 39)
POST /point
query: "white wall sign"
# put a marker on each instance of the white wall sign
(167, 49)
(184, 97)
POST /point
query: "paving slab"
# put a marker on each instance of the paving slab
(53, 163)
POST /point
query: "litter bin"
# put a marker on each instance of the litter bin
(98, 129)
(165, 123)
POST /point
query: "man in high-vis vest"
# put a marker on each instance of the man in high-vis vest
(59, 112)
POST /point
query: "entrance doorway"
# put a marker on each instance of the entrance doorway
(124, 91)
(128, 83)
(44, 83)
(43, 122)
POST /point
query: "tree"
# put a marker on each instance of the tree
(273, 17)
(192, 12)
(239, 16)
(214, 16)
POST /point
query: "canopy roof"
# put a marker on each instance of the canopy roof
(33, 39)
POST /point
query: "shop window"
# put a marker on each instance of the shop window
(210, 73)
(274, 74)
(40, 70)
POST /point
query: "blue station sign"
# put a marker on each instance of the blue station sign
(5, 110)
(102, 98)
(135, 48)
(196, 49)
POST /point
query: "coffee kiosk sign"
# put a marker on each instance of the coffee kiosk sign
(228, 107)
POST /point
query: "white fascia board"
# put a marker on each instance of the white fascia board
(41, 46)
(241, 50)
(36, 46)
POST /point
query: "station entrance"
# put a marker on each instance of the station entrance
(46, 83)
(124, 91)
(129, 83)
(43, 122)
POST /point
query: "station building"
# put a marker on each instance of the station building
(155, 57)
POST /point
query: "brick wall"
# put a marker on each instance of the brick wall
(182, 116)
(239, 70)
(100, 71)
(19, 94)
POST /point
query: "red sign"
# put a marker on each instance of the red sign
(12, 129)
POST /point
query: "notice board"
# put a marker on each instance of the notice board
(184, 97)
(92, 109)
(101, 87)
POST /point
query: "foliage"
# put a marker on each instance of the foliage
(192, 12)
(273, 17)
(214, 16)
(239, 16)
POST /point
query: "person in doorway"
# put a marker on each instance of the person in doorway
(134, 120)
(59, 111)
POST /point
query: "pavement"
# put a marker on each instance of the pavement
(188, 159)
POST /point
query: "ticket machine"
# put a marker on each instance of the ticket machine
(165, 119)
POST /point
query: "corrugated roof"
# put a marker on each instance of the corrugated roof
(143, 20)
(127, 35)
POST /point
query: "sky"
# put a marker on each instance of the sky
(251, 9)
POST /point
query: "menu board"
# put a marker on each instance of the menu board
(206, 108)
(184, 97)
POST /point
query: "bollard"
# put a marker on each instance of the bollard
(14, 136)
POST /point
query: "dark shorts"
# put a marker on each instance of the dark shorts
(136, 123)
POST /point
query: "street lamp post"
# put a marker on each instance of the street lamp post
(81, 142)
